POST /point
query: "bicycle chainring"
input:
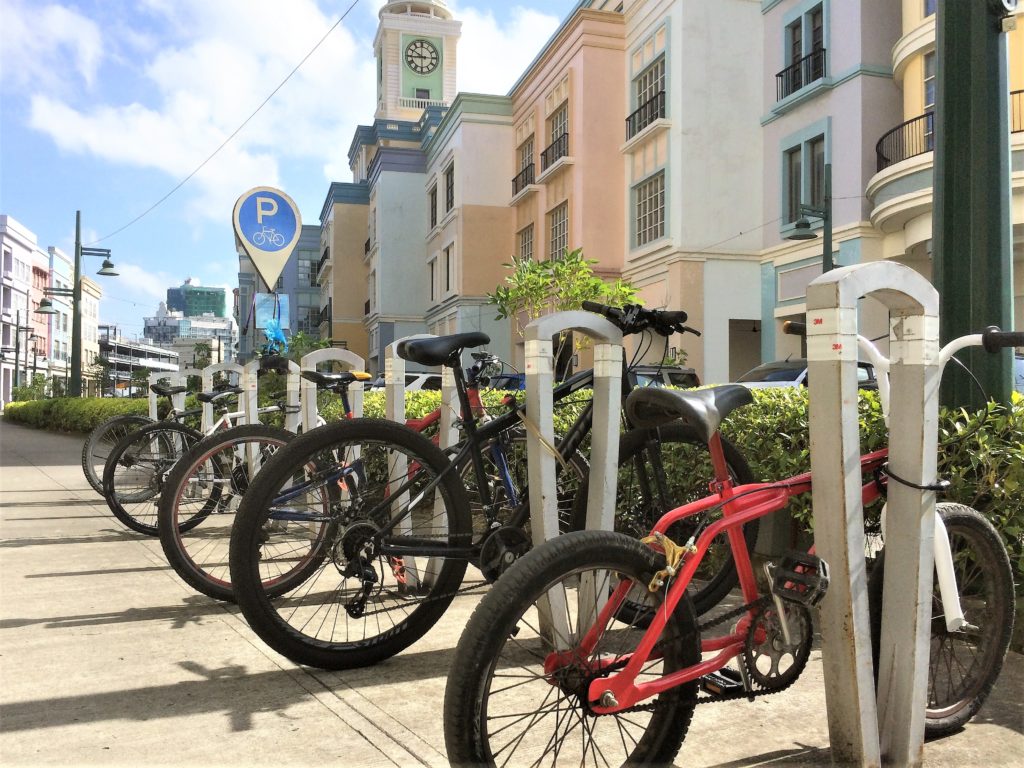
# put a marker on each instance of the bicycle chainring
(500, 549)
(771, 663)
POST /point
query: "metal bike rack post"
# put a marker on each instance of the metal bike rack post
(861, 733)
(251, 395)
(417, 570)
(308, 391)
(208, 373)
(540, 437)
(174, 379)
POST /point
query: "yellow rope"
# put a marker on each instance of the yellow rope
(533, 428)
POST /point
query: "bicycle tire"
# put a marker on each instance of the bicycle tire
(956, 690)
(495, 640)
(194, 533)
(635, 515)
(331, 620)
(103, 437)
(134, 474)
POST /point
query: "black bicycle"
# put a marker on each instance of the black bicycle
(387, 519)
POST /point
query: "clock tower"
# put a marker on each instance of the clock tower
(415, 49)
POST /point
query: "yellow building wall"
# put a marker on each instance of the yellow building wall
(350, 275)
(486, 243)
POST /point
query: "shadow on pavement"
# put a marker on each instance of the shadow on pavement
(230, 690)
(55, 503)
(801, 755)
(404, 668)
(192, 610)
(99, 572)
(38, 542)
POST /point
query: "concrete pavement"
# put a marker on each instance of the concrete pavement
(106, 658)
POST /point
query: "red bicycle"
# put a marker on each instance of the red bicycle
(588, 650)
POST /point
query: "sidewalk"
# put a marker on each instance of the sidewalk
(107, 658)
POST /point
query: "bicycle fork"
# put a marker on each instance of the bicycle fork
(945, 575)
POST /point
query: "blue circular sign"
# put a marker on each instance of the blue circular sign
(267, 221)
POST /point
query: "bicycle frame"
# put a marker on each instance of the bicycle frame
(740, 505)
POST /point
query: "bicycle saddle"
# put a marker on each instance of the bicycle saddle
(704, 410)
(334, 380)
(432, 352)
(164, 391)
(213, 397)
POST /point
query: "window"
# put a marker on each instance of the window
(650, 209)
(432, 268)
(526, 153)
(559, 122)
(805, 53)
(558, 221)
(929, 7)
(649, 89)
(929, 101)
(433, 206)
(526, 176)
(651, 82)
(526, 243)
(803, 169)
(558, 132)
(449, 188)
(423, 94)
(449, 269)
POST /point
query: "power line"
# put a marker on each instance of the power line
(238, 130)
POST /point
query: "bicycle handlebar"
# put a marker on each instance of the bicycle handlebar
(632, 318)
(992, 339)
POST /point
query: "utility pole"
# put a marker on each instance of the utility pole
(972, 243)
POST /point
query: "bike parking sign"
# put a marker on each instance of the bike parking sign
(267, 225)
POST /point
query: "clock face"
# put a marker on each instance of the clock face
(421, 56)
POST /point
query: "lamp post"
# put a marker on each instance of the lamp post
(824, 212)
(18, 330)
(75, 293)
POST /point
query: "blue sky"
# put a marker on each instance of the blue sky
(106, 105)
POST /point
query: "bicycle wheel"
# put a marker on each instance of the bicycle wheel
(687, 470)
(373, 590)
(200, 498)
(518, 693)
(962, 665)
(101, 440)
(133, 477)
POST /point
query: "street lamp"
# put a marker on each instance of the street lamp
(75, 293)
(18, 330)
(802, 229)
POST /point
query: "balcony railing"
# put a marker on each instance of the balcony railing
(523, 179)
(366, 307)
(649, 111)
(366, 247)
(917, 135)
(558, 148)
(323, 260)
(800, 73)
(325, 313)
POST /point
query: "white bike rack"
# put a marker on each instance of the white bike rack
(417, 570)
(861, 732)
(173, 379)
(250, 384)
(208, 374)
(540, 439)
(308, 391)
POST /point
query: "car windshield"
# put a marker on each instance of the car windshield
(784, 371)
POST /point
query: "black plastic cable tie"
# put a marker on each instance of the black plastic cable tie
(941, 486)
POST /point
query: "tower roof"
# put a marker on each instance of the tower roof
(436, 8)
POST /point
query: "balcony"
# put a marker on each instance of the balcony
(917, 135)
(366, 248)
(326, 312)
(408, 103)
(322, 263)
(803, 72)
(557, 149)
(523, 179)
(366, 307)
(651, 110)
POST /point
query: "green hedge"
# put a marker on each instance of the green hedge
(981, 454)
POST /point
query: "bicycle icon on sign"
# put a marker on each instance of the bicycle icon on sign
(268, 235)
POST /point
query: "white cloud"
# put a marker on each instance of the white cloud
(37, 38)
(492, 56)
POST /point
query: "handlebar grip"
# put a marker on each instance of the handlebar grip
(676, 317)
(794, 328)
(993, 339)
(602, 309)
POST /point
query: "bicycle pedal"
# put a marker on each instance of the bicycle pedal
(800, 578)
(723, 681)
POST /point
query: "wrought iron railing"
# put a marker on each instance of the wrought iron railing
(649, 111)
(366, 307)
(366, 247)
(1016, 111)
(325, 313)
(558, 148)
(523, 179)
(323, 260)
(800, 73)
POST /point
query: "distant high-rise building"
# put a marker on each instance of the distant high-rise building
(197, 300)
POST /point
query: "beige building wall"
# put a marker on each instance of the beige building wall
(345, 232)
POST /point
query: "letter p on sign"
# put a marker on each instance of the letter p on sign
(265, 206)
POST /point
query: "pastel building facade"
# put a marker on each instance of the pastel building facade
(900, 193)
(828, 93)
(18, 247)
(61, 276)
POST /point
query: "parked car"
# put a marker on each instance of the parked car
(792, 372)
(665, 376)
(507, 381)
